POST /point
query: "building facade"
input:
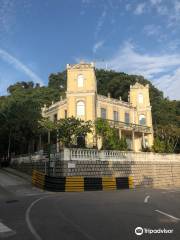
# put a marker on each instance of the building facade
(133, 119)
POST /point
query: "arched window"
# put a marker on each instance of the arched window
(140, 98)
(80, 81)
(142, 119)
(80, 108)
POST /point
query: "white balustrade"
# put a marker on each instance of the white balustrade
(78, 154)
(84, 154)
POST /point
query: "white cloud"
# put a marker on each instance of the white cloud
(174, 15)
(19, 66)
(6, 16)
(170, 83)
(155, 2)
(86, 1)
(139, 9)
(100, 21)
(177, 6)
(97, 45)
(153, 67)
(8, 13)
(173, 44)
(170, 11)
(152, 30)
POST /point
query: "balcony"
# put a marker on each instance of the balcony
(129, 126)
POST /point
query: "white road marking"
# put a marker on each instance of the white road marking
(4, 228)
(146, 199)
(168, 215)
(28, 221)
(5, 231)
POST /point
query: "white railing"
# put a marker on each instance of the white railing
(94, 154)
(78, 154)
(84, 154)
(111, 155)
(107, 154)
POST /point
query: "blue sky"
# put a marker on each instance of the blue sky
(40, 37)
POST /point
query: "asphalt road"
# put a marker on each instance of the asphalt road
(27, 213)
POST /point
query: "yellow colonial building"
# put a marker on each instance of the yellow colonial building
(133, 119)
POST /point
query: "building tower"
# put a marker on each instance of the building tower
(139, 98)
(81, 92)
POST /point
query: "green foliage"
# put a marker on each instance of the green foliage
(162, 146)
(166, 138)
(58, 83)
(47, 125)
(110, 136)
(159, 146)
(22, 111)
(71, 128)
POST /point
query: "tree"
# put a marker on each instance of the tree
(159, 146)
(20, 86)
(48, 126)
(71, 128)
(57, 82)
(166, 138)
(110, 136)
(20, 128)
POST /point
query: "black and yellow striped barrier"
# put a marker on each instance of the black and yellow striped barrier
(74, 184)
(38, 179)
(80, 184)
(109, 183)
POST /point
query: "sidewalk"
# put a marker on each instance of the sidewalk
(18, 173)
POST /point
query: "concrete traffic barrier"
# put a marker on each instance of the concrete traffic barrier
(74, 184)
(79, 183)
(38, 179)
(55, 184)
(131, 184)
(122, 182)
(92, 183)
(109, 183)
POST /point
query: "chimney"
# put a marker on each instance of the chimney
(120, 98)
(109, 95)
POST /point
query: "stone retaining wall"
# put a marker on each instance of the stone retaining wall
(147, 169)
